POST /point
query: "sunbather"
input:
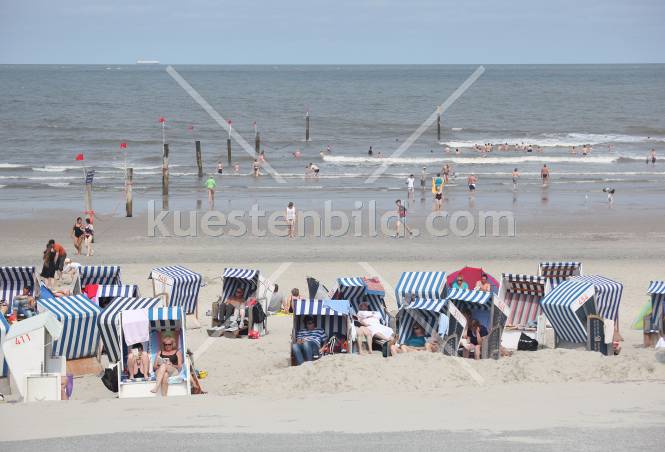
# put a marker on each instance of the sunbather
(25, 303)
(473, 337)
(138, 363)
(168, 362)
(287, 305)
(416, 342)
(371, 320)
(234, 308)
(309, 342)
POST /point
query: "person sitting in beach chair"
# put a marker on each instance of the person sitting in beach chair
(25, 303)
(417, 342)
(473, 337)
(309, 342)
(233, 310)
(138, 363)
(369, 326)
(168, 363)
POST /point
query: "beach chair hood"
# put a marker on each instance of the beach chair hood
(181, 284)
(100, 274)
(426, 312)
(425, 285)
(522, 294)
(247, 279)
(558, 272)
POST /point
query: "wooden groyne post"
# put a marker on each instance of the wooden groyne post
(129, 176)
(165, 176)
(199, 160)
(307, 126)
(438, 125)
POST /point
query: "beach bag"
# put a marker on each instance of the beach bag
(338, 343)
(527, 344)
(110, 378)
(258, 315)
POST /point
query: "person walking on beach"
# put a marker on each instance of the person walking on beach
(438, 192)
(89, 237)
(291, 220)
(410, 186)
(401, 219)
(77, 234)
(210, 185)
(545, 175)
(516, 176)
(48, 265)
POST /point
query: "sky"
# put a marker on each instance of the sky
(332, 31)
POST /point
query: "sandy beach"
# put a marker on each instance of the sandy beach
(251, 385)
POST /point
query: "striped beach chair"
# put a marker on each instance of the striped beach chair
(79, 316)
(179, 285)
(109, 322)
(569, 305)
(251, 282)
(656, 291)
(485, 310)
(429, 313)
(420, 285)
(331, 315)
(13, 280)
(557, 272)
(522, 294)
(99, 274)
(355, 290)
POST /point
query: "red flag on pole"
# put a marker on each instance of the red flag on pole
(162, 119)
(79, 157)
(123, 145)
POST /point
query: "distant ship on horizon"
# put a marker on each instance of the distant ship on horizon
(147, 62)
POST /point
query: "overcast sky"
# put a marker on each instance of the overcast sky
(332, 31)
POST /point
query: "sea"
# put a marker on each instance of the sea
(49, 114)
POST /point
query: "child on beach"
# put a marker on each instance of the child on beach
(210, 185)
(89, 237)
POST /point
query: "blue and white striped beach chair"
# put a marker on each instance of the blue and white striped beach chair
(428, 313)
(13, 280)
(100, 274)
(423, 285)
(249, 280)
(330, 315)
(109, 322)
(179, 285)
(657, 293)
(79, 316)
(569, 305)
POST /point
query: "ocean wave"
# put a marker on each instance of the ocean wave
(480, 160)
(58, 184)
(2, 186)
(10, 166)
(556, 140)
(55, 169)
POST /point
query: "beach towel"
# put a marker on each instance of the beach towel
(646, 310)
(373, 284)
(135, 326)
(91, 292)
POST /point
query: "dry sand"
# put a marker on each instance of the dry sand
(252, 388)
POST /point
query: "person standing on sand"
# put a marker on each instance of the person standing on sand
(60, 256)
(410, 188)
(48, 266)
(210, 185)
(438, 192)
(291, 220)
(545, 175)
(77, 235)
(89, 237)
(516, 176)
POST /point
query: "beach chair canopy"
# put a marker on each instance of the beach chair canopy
(109, 322)
(424, 311)
(317, 291)
(99, 274)
(181, 284)
(356, 290)
(657, 292)
(330, 315)
(471, 276)
(247, 279)
(474, 298)
(4, 328)
(558, 272)
(522, 293)
(596, 294)
(14, 279)
(166, 319)
(106, 291)
(79, 316)
(428, 285)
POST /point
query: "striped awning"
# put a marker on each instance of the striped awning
(524, 284)
(109, 322)
(430, 285)
(608, 294)
(561, 305)
(182, 285)
(318, 308)
(351, 288)
(656, 288)
(13, 280)
(100, 274)
(165, 319)
(558, 272)
(79, 316)
(426, 304)
(241, 273)
(476, 297)
(117, 291)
